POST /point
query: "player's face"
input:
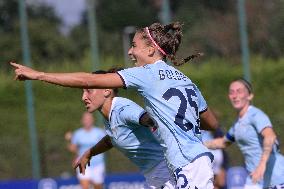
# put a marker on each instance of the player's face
(93, 99)
(139, 50)
(239, 95)
(87, 120)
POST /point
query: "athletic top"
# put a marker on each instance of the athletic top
(175, 103)
(246, 131)
(134, 140)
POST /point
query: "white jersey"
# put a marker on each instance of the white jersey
(175, 103)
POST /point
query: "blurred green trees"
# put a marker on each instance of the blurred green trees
(47, 43)
(208, 27)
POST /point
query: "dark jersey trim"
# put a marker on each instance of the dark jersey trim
(124, 85)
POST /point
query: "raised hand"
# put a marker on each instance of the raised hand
(25, 73)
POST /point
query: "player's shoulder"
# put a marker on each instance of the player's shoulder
(254, 111)
(98, 129)
(121, 104)
(78, 131)
(132, 70)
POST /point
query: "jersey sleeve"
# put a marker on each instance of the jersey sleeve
(202, 105)
(134, 77)
(260, 121)
(75, 138)
(132, 113)
(102, 133)
(230, 135)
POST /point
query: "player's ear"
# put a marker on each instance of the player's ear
(107, 93)
(250, 97)
(151, 50)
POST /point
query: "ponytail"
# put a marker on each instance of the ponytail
(185, 60)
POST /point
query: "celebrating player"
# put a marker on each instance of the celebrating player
(125, 127)
(253, 133)
(170, 97)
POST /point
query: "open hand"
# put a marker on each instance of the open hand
(258, 173)
(82, 163)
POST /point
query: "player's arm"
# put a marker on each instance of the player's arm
(269, 138)
(70, 146)
(147, 121)
(75, 80)
(102, 146)
(218, 143)
(208, 120)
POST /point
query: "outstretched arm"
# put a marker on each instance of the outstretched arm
(269, 138)
(218, 143)
(102, 146)
(75, 80)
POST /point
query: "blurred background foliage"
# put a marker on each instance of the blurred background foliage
(209, 26)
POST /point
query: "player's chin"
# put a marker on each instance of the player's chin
(133, 60)
(237, 107)
(89, 109)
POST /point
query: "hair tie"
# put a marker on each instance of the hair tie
(152, 40)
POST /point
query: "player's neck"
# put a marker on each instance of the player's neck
(106, 108)
(154, 59)
(243, 111)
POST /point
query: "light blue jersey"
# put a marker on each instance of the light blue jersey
(134, 140)
(175, 103)
(84, 140)
(206, 135)
(218, 154)
(246, 131)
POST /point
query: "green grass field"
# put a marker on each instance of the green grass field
(58, 110)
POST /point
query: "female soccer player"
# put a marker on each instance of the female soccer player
(253, 133)
(170, 97)
(125, 128)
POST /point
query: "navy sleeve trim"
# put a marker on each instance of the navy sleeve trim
(124, 85)
(142, 114)
(203, 111)
(230, 137)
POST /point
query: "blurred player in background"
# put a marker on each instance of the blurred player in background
(128, 129)
(253, 133)
(81, 140)
(170, 97)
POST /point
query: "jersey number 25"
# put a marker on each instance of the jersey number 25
(184, 102)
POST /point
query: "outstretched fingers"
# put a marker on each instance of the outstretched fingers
(81, 166)
(15, 65)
